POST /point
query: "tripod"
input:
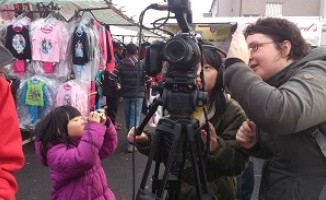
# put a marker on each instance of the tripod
(175, 139)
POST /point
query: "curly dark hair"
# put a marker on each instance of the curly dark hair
(279, 30)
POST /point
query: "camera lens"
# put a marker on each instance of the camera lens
(182, 52)
(176, 51)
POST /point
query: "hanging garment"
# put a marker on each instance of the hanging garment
(46, 43)
(18, 42)
(92, 95)
(80, 47)
(102, 40)
(110, 64)
(35, 96)
(99, 89)
(74, 94)
(19, 67)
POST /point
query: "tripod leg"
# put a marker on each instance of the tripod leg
(172, 142)
(199, 169)
(155, 147)
(166, 128)
(202, 168)
(190, 137)
(176, 133)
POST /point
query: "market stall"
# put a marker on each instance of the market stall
(62, 49)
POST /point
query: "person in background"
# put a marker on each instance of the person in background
(119, 50)
(281, 84)
(226, 160)
(111, 87)
(133, 83)
(73, 148)
(11, 148)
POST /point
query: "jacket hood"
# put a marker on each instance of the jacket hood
(37, 145)
(314, 54)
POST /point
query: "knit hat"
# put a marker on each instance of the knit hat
(5, 56)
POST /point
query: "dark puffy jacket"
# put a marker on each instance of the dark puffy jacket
(224, 164)
(130, 76)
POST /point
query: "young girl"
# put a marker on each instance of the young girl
(73, 148)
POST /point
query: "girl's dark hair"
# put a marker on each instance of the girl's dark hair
(280, 30)
(214, 57)
(52, 129)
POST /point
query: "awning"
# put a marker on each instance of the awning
(103, 11)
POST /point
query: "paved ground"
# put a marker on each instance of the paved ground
(34, 182)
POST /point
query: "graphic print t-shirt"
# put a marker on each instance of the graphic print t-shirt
(46, 44)
(18, 42)
(79, 47)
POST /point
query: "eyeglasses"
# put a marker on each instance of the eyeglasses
(255, 46)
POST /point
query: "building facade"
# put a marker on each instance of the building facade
(296, 10)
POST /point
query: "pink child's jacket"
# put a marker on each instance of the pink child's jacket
(76, 171)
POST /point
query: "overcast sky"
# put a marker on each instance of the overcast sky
(135, 7)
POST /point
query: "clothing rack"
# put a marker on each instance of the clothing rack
(27, 11)
(78, 12)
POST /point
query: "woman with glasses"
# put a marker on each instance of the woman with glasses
(226, 160)
(281, 84)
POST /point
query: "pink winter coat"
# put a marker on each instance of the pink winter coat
(76, 171)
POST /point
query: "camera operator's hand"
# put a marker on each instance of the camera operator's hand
(97, 116)
(239, 48)
(212, 135)
(142, 138)
(246, 135)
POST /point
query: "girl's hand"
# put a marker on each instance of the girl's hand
(212, 135)
(238, 47)
(139, 138)
(97, 116)
(246, 135)
(101, 112)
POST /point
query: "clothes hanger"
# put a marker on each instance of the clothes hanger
(34, 80)
(18, 24)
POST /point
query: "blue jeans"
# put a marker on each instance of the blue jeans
(132, 108)
(246, 183)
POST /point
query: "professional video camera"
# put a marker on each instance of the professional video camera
(179, 95)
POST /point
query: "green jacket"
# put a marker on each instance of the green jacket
(224, 164)
(289, 111)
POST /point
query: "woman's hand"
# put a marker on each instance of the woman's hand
(246, 135)
(212, 135)
(238, 47)
(142, 138)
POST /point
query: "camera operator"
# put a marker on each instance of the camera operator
(281, 84)
(225, 159)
